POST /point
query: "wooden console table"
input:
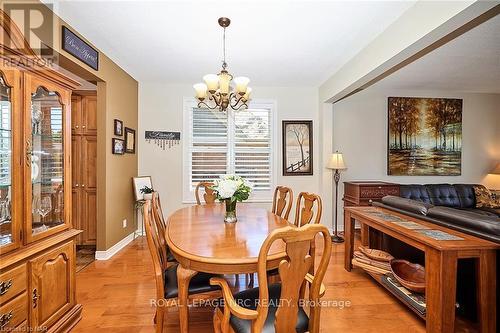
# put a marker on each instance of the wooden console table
(441, 257)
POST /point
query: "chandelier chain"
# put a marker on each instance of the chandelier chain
(224, 64)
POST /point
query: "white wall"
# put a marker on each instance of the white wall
(360, 132)
(161, 108)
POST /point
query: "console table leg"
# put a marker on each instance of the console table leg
(486, 293)
(349, 223)
(440, 292)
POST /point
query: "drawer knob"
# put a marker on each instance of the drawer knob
(5, 286)
(5, 319)
(35, 298)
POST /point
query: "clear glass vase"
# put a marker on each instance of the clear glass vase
(230, 216)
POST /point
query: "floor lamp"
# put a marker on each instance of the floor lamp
(336, 164)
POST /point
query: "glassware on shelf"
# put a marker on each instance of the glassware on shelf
(45, 207)
(36, 118)
(5, 211)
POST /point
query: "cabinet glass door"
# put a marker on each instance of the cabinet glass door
(6, 227)
(47, 161)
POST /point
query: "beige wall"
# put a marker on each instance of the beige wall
(161, 108)
(117, 98)
(360, 132)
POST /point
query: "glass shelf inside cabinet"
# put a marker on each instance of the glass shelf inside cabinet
(5, 163)
(47, 161)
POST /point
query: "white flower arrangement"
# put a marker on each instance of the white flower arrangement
(232, 187)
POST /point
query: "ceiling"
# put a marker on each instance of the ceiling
(276, 43)
(469, 63)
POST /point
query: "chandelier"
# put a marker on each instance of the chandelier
(217, 92)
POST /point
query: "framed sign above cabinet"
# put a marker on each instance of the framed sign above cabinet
(80, 49)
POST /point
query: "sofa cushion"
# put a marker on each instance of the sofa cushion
(486, 224)
(443, 195)
(490, 211)
(415, 192)
(410, 205)
(484, 198)
(466, 195)
(482, 211)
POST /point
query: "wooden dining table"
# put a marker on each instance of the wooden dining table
(201, 242)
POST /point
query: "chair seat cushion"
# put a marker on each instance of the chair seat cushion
(200, 283)
(249, 299)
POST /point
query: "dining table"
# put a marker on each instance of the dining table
(201, 241)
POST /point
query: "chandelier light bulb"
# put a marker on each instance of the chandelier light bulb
(246, 97)
(212, 81)
(241, 84)
(201, 90)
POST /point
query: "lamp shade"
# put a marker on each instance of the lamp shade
(496, 170)
(336, 162)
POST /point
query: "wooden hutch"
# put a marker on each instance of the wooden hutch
(37, 241)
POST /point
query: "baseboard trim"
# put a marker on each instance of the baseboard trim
(106, 255)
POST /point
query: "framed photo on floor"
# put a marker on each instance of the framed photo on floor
(118, 146)
(297, 147)
(129, 140)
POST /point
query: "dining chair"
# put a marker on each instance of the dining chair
(161, 226)
(166, 275)
(279, 307)
(209, 195)
(283, 198)
(305, 211)
(309, 206)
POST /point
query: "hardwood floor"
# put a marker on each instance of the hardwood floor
(116, 294)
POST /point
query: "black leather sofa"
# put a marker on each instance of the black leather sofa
(452, 206)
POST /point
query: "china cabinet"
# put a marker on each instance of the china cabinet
(37, 240)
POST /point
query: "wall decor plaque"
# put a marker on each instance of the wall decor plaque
(80, 49)
(163, 139)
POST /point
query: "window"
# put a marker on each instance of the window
(239, 142)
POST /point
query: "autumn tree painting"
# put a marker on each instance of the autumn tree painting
(425, 136)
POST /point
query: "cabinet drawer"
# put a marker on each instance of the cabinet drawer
(12, 283)
(377, 192)
(13, 313)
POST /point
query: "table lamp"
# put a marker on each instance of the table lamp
(496, 170)
(336, 163)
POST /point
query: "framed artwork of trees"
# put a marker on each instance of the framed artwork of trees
(424, 136)
(297, 147)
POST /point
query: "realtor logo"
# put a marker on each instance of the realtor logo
(36, 22)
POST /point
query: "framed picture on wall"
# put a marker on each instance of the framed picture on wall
(118, 127)
(297, 147)
(424, 136)
(129, 140)
(140, 182)
(118, 146)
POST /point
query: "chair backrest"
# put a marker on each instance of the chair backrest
(208, 196)
(283, 198)
(304, 212)
(158, 252)
(293, 271)
(160, 223)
